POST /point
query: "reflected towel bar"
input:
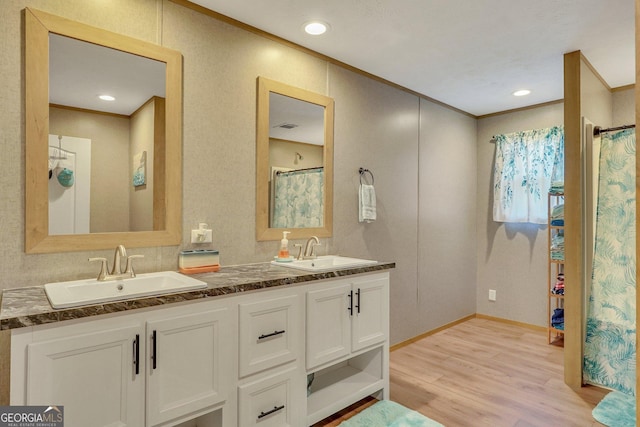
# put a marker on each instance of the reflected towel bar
(597, 130)
(363, 171)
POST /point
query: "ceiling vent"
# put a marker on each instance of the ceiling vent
(286, 126)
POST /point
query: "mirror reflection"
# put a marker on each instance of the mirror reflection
(104, 108)
(100, 173)
(294, 162)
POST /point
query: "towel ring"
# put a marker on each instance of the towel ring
(363, 171)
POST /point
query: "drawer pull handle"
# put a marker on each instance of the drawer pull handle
(275, 409)
(136, 353)
(154, 351)
(273, 334)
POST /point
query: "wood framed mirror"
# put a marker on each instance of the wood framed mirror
(163, 184)
(294, 148)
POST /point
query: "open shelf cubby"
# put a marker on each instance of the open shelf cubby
(345, 383)
(211, 419)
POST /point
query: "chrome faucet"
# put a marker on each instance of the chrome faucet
(116, 270)
(309, 248)
(120, 253)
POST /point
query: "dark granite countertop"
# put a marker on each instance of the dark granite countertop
(29, 306)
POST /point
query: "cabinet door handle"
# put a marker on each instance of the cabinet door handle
(358, 303)
(350, 308)
(154, 349)
(273, 334)
(275, 409)
(136, 353)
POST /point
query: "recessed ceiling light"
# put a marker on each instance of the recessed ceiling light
(521, 92)
(107, 98)
(315, 28)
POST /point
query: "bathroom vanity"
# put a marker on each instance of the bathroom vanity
(260, 345)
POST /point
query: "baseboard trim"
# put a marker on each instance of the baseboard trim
(426, 334)
(462, 320)
(512, 322)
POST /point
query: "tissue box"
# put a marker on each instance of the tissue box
(198, 258)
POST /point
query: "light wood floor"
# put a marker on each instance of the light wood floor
(486, 373)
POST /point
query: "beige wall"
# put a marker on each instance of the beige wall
(624, 105)
(377, 128)
(114, 141)
(596, 100)
(142, 139)
(422, 156)
(109, 135)
(283, 154)
(432, 169)
(512, 258)
(448, 206)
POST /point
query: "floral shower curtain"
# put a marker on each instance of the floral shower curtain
(299, 199)
(610, 352)
(526, 163)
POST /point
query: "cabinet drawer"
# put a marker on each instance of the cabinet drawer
(269, 402)
(269, 333)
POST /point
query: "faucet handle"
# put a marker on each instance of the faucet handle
(129, 265)
(299, 246)
(104, 267)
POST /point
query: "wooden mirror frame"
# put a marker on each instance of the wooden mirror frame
(263, 229)
(37, 239)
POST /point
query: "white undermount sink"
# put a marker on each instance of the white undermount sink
(91, 291)
(325, 263)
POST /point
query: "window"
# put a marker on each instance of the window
(526, 164)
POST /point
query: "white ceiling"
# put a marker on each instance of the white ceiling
(295, 120)
(469, 54)
(80, 71)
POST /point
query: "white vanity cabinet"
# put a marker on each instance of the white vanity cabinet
(89, 371)
(241, 360)
(270, 366)
(270, 330)
(187, 356)
(273, 401)
(157, 368)
(345, 316)
(347, 328)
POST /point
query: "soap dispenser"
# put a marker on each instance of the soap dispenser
(284, 246)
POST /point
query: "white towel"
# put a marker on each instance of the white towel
(366, 203)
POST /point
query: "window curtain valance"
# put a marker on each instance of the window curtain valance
(526, 163)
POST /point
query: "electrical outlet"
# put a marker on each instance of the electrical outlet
(202, 235)
(492, 294)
